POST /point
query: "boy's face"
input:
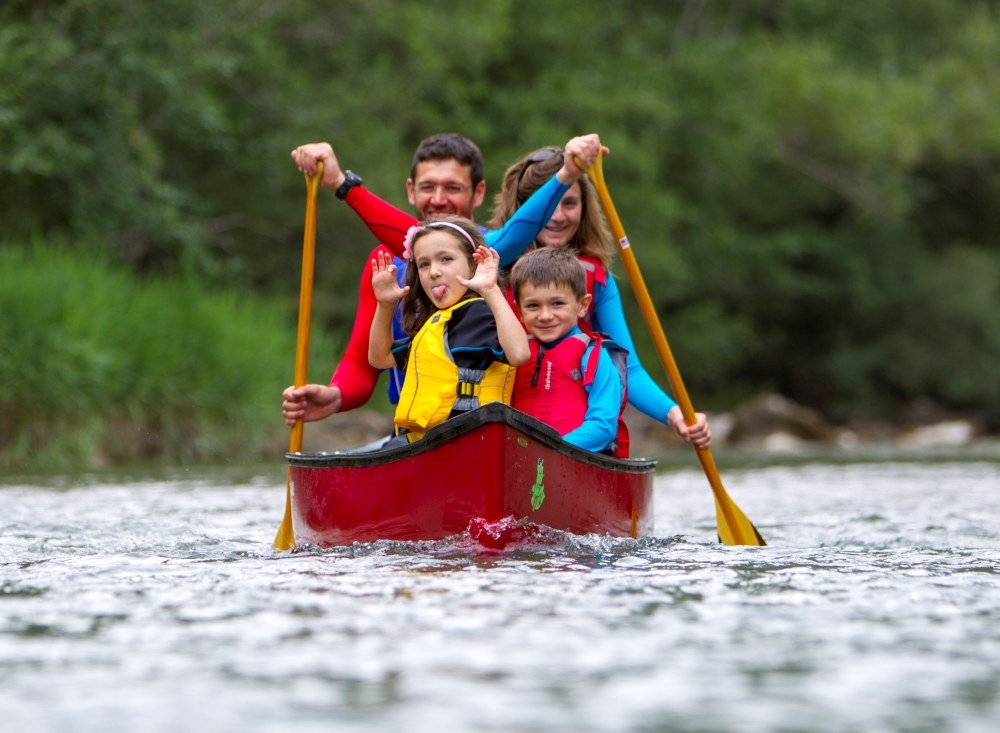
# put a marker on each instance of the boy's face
(550, 311)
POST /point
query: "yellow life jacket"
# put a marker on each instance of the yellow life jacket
(434, 385)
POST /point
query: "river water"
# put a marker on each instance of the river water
(155, 603)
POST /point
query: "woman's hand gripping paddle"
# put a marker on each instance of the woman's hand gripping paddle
(734, 527)
(285, 539)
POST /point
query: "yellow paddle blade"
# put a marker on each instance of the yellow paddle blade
(285, 539)
(733, 526)
(738, 532)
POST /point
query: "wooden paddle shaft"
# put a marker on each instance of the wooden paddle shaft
(305, 299)
(285, 537)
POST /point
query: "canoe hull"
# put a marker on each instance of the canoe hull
(488, 465)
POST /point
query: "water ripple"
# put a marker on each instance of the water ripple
(159, 606)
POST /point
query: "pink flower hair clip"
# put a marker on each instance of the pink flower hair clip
(411, 234)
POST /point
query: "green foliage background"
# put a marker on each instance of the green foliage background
(99, 370)
(809, 185)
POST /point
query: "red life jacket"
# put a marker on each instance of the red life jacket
(550, 387)
(595, 273)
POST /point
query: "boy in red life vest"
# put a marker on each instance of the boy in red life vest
(570, 382)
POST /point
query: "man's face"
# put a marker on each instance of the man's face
(444, 188)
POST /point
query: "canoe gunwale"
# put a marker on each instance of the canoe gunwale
(494, 412)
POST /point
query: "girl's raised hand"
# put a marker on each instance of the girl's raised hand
(484, 278)
(384, 281)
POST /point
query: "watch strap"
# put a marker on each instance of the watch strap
(351, 180)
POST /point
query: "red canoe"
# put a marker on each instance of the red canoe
(492, 465)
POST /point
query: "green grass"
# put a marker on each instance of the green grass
(99, 368)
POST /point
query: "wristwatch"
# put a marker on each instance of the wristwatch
(351, 180)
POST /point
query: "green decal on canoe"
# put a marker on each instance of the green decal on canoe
(538, 489)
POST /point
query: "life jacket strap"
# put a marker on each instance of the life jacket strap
(468, 389)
